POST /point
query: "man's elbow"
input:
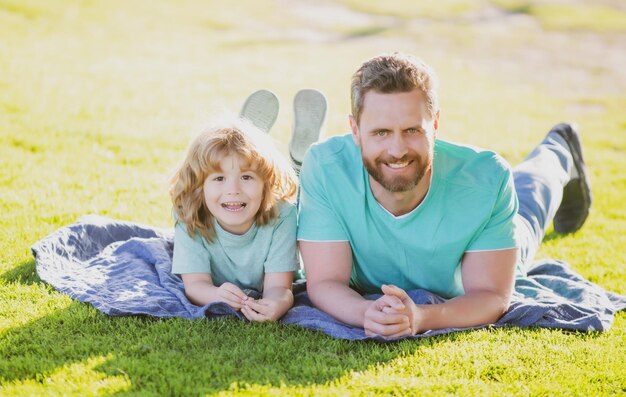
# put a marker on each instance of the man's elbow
(313, 290)
(501, 304)
(320, 292)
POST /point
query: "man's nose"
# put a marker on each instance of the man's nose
(398, 147)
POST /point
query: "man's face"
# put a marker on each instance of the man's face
(396, 138)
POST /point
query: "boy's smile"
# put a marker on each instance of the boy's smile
(233, 195)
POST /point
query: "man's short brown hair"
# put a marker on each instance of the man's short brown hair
(391, 73)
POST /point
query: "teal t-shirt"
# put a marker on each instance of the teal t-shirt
(470, 206)
(240, 259)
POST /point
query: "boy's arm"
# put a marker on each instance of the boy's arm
(200, 291)
(277, 298)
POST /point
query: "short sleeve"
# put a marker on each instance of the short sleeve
(190, 255)
(317, 219)
(283, 252)
(500, 230)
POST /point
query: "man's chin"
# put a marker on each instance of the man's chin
(398, 186)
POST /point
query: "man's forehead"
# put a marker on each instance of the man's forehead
(398, 105)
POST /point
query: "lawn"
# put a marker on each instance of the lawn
(98, 101)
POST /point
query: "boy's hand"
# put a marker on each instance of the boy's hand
(231, 295)
(264, 309)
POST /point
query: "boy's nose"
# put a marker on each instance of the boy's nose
(233, 188)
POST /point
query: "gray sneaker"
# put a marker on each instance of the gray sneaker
(261, 108)
(577, 198)
(309, 110)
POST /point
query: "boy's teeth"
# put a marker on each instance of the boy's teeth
(234, 206)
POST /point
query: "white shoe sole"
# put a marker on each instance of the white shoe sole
(309, 108)
(261, 108)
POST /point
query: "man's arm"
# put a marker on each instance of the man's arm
(328, 267)
(488, 279)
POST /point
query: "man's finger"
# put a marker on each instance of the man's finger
(389, 310)
(389, 301)
(405, 332)
(387, 331)
(392, 290)
(386, 318)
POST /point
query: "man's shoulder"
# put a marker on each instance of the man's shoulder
(333, 149)
(468, 164)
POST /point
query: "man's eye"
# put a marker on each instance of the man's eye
(381, 133)
(412, 131)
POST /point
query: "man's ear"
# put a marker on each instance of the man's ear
(355, 130)
(436, 123)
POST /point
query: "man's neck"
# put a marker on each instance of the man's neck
(401, 203)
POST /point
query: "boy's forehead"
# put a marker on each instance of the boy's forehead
(227, 160)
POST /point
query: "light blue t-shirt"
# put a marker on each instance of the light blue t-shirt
(470, 206)
(240, 259)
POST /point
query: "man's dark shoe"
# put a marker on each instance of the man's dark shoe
(576, 202)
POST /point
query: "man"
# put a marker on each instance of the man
(392, 208)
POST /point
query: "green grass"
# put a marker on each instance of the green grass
(98, 101)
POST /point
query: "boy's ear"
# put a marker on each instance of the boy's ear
(355, 129)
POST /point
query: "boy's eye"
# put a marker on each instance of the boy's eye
(247, 177)
(218, 178)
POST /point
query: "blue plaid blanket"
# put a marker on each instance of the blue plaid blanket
(123, 268)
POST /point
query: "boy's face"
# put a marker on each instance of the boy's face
(233, 195)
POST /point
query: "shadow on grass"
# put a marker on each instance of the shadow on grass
(177, 356)
(183, 357)
(23, 273)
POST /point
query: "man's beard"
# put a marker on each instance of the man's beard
(398, 183)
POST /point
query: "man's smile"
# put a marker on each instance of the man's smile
(398, 165)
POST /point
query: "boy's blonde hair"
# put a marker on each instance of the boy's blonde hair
(229, 136)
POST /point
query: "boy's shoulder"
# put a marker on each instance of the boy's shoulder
(286, 209)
